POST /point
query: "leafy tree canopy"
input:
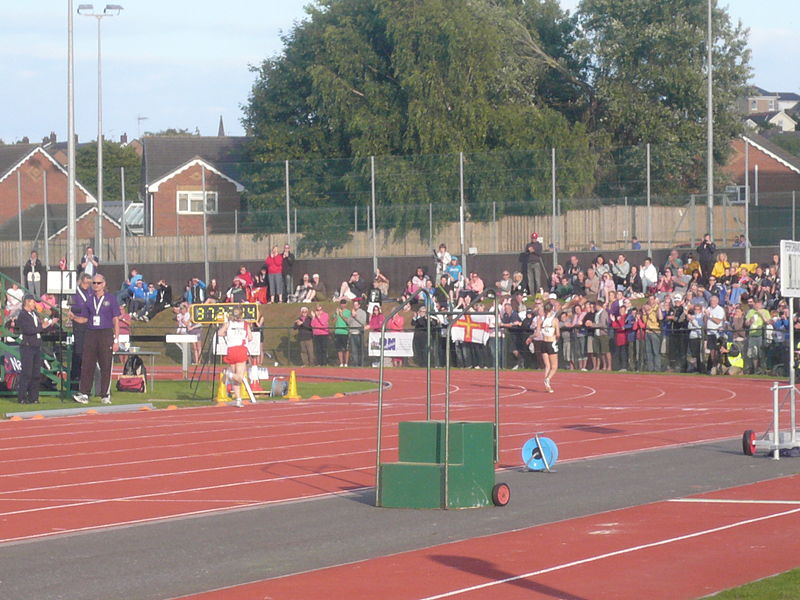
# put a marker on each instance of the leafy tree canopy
(114, 157)
(503, 81)
(648, 69)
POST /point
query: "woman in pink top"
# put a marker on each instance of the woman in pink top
(376, 319)
(396, 323)
(319, 331)
(274, 264)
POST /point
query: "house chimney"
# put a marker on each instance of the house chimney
(221, 130)
(76, 139)
(25, 140)
(123, 139)
(53, 137)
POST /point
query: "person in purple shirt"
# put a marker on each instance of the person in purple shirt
(78, 309)
(102, 329)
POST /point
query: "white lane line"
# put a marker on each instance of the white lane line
(182, 515)
(728, 501)
(196, 489)
(599, 557)
(152, 476)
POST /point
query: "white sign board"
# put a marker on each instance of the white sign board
(396, 344)
(62, 282)
(790, 269)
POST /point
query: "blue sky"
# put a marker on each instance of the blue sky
(183, 64)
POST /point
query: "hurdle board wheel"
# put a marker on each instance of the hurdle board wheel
(749, 442)
(532, 457)
(501, 494)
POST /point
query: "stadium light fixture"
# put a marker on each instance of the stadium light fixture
(111, 10)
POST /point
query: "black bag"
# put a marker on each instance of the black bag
(134, 365)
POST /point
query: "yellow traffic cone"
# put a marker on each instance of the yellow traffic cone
(222, 391)
(292, 393)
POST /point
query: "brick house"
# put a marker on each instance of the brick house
(173, 169)
(26, 164)
(778, 170)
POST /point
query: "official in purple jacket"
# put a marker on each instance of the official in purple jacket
(102, 330)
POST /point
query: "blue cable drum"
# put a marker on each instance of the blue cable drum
(533, 458)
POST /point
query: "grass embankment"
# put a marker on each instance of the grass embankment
(781, 587)
(182, 394)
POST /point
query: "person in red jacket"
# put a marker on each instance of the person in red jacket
(618, 323)
(274, 264)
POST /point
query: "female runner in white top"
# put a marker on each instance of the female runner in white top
(550, 331)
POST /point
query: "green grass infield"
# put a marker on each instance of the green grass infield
(182, 394)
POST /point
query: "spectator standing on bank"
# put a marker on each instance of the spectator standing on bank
(357, 322)
(635, 244)
(302, 325)
(532, 266)
(260, 291)
(341, 332)
(286, 268)
(274, 264)
(34, 274)
(100, 342)
(652, 342)
(89, 263)
(706, 254)
(620, 271)
(320, 331)
(442, 257)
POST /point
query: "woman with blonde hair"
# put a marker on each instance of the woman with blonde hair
(720, 266)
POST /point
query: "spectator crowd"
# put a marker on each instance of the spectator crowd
(697, 312)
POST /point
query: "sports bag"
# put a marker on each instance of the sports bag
(131, 383)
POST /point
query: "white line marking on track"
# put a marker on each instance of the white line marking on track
(197, 489)
(729, 501)
(592, 559)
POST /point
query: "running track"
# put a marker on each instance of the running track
(90, 472)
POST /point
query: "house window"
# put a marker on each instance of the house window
(191, 203)
(753, 105)
(771, 105)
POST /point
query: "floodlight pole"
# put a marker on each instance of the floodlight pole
(110, 10)
(71, 217)
(710, 128)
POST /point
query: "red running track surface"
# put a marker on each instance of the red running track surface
(78, 473)
(667, 550)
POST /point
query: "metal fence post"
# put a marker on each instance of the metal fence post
(236, 230)
(20, 260)
(746, 201)
(649, 208)
(553, 224)
(288, 212)
(206, 270)
(462, 211)
(374, 229)
(123, 220)
(46, 224)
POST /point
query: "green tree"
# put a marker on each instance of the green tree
(648, 70)
(415, 83)
(114, 157)
(172, 131)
